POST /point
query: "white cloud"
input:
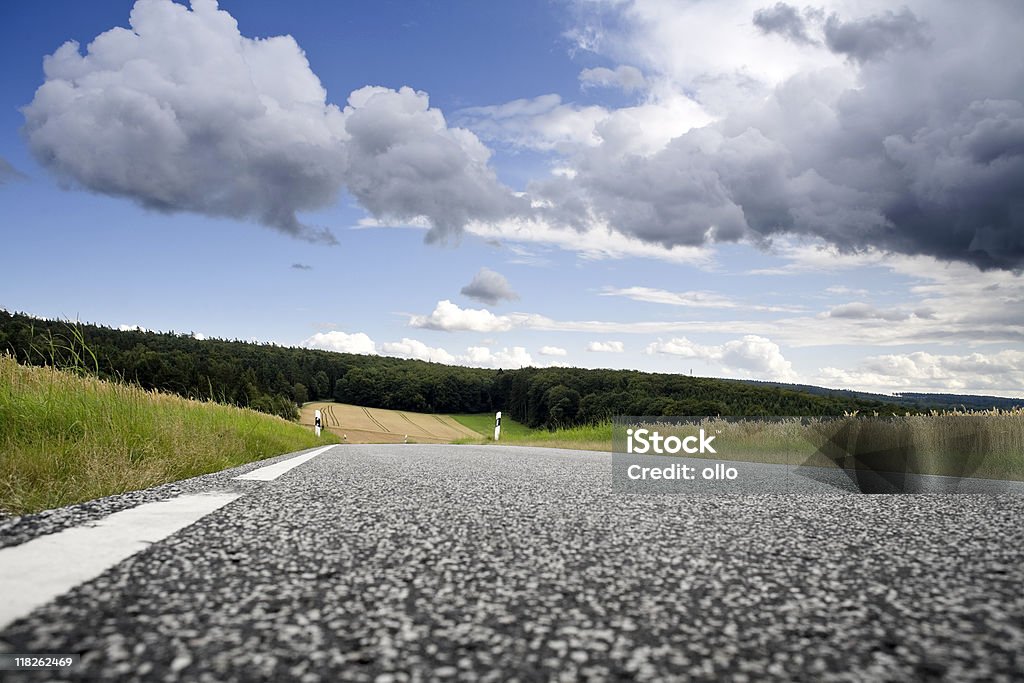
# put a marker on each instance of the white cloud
(183, 113)
(606, 346)
(691, 299)
(835, 137)
(450, 317)
(133, 328)
(542, 123)
(626, 78)
(553, 351)
(594, 241)
(514, 357)
(1000, 372)
(842, 290)
(342, 343)
(413, 348)
(752, 355)
(475, 356)
(545, 123)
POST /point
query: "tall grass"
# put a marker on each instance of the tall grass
(978, 443)
(985, 444)
(67, 437)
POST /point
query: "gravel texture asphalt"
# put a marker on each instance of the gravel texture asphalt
(394, 563)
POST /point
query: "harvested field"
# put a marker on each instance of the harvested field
(376, 425)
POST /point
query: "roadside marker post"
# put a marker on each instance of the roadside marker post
(497, 425)
(317, 421)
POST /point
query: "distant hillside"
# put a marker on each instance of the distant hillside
(274, 379)
(915, 401)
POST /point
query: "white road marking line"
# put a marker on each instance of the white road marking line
(272, 472)
(34, 573)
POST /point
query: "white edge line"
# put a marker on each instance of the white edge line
(271, 472)
(37, 571)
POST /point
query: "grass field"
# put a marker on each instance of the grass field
(587, 437)
(67, 438)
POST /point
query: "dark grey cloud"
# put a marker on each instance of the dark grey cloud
(871, 37)
(143, 115)
(403, 162)
(923, 154)
(862, 311)
(489, 287)
(301, 266)
(784, 20)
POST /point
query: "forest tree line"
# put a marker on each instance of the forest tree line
(276, 379)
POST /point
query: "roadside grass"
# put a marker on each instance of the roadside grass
(982, 444)
(66, 437)
(585, 437)
(483, 424)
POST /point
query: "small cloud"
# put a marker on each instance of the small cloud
(489, 287)
(865, 39)
(342, 343)
(844, 290)
(626, 78)
(606, 347)
(133, 328)
(413, 348)
(553, 351)
(784, 20)
(481, 356)
(301, 266)
(862, 311)
(449, 317)
(8, 173)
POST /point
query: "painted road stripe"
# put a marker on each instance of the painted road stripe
(34, 573)
(271, 472)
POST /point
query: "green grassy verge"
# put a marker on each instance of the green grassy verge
(587, 437)
(67, 438)
(483, 424)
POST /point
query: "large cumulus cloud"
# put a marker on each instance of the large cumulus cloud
(183, 113)
(916, 147)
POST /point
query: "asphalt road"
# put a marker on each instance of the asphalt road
(392, 563)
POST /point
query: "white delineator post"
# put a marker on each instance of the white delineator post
(317, 421)
(497, 425)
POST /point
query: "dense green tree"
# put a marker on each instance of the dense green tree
(300, 393)
(273, 378)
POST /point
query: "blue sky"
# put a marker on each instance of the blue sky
(826, 194)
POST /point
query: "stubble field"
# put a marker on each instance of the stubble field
(357, 424)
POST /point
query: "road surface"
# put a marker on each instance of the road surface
(393, 563)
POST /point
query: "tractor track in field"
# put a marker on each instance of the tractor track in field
(376, 421)
(419, 427)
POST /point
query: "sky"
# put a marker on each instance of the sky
(829, 194)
